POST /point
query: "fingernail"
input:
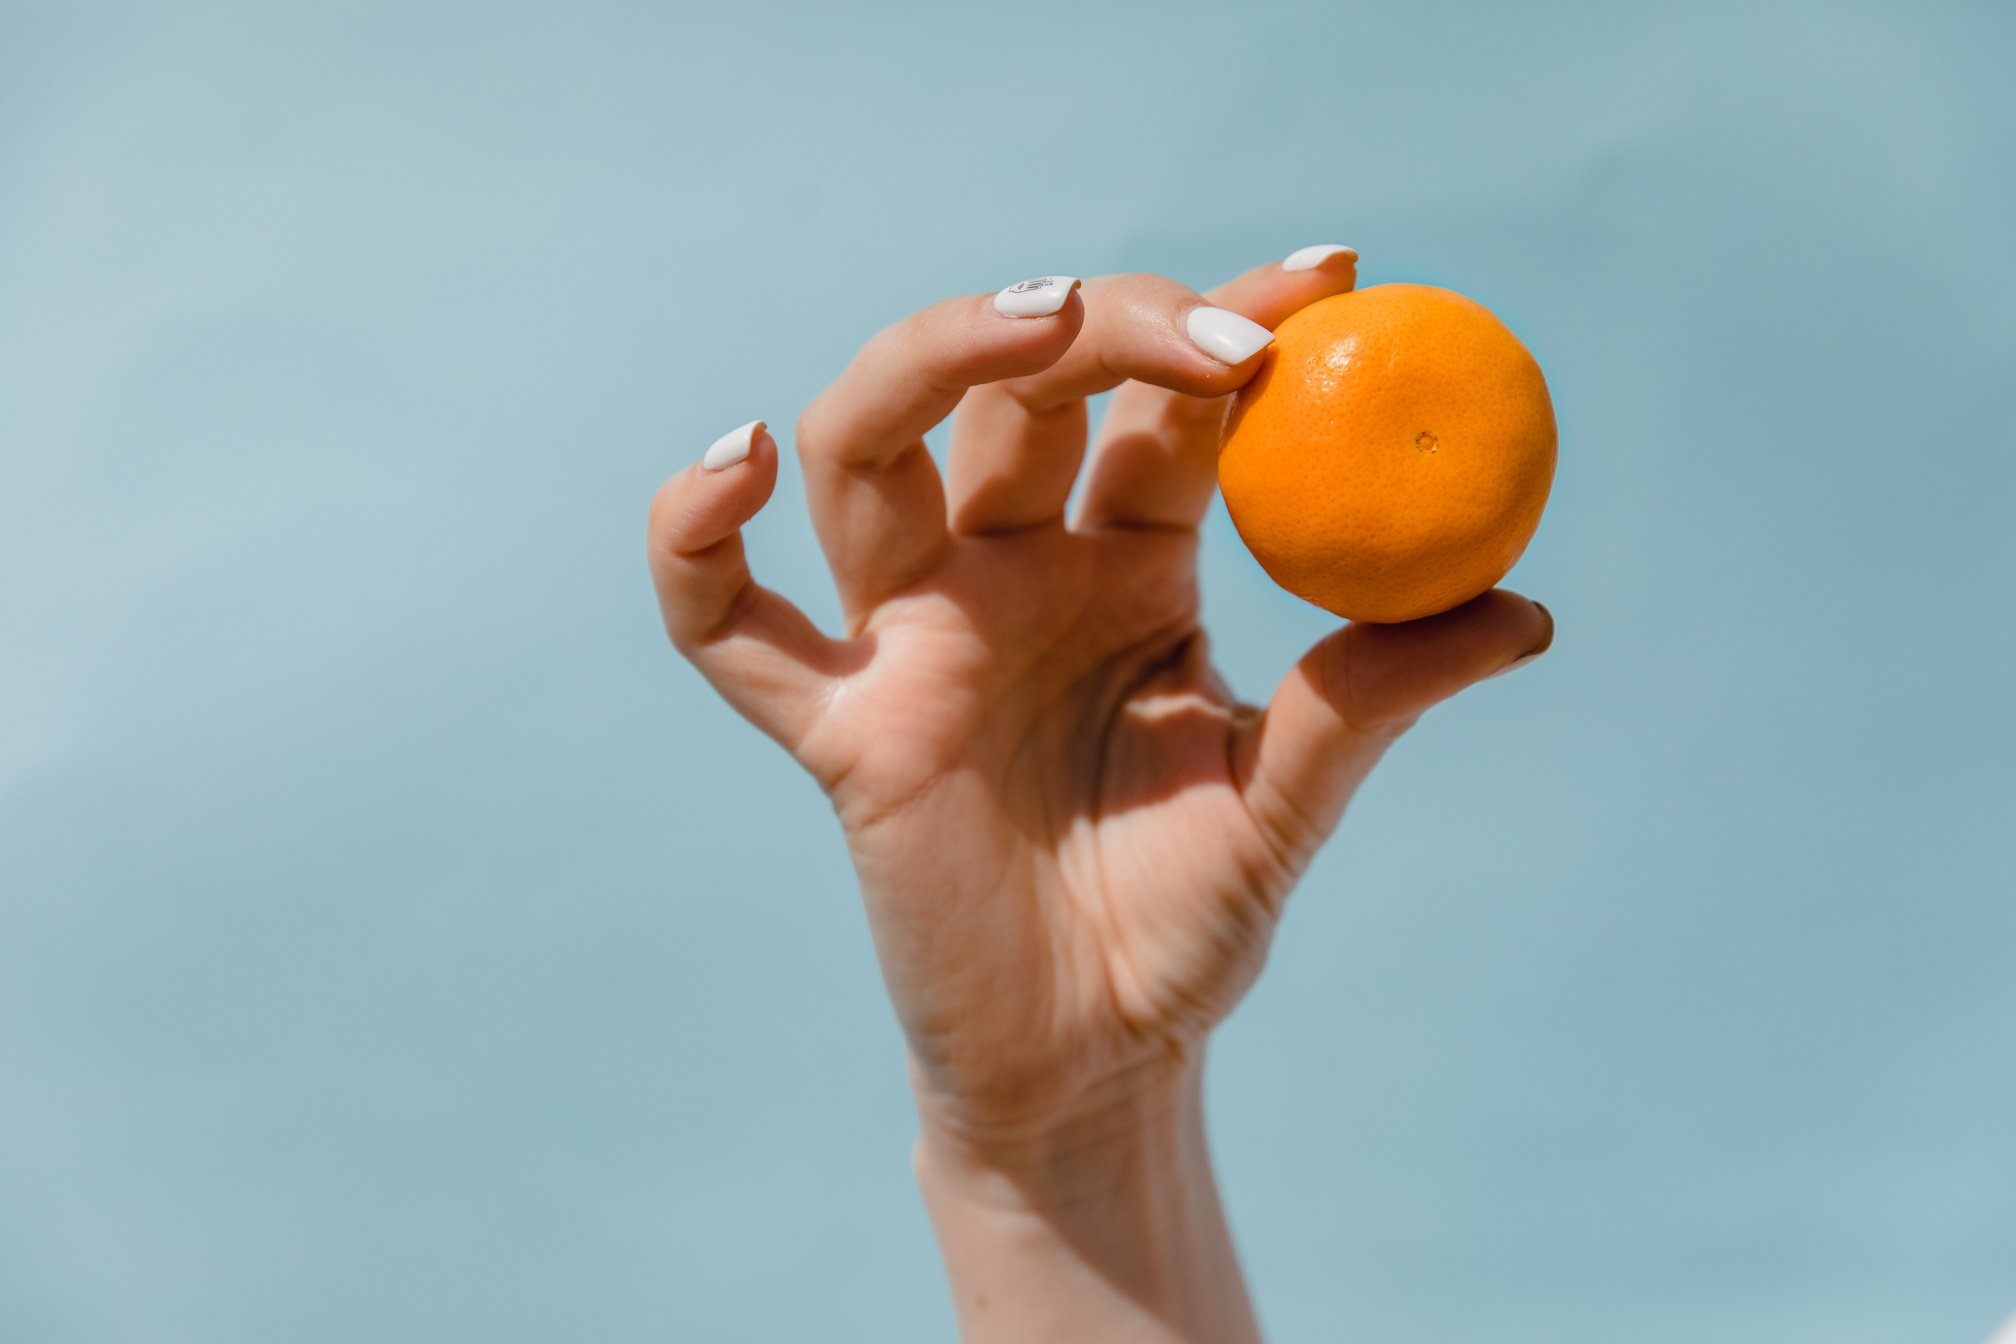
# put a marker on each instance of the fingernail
(1309, 258)
(730, 448)
(1546, 640)
(1035, 298)
(1226, 336)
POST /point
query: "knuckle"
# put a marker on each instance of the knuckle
(719, 620)
(805, 432)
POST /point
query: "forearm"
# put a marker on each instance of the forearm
(1106, 1229)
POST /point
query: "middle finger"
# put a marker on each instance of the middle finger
(1016, 444)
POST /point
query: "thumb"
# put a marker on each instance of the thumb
(1338, 709)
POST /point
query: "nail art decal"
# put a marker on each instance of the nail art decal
(1039, 297)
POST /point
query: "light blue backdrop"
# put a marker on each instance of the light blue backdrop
(398, 944)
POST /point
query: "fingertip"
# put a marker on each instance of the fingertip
(1547, 635)
(715, 496)
(967, 341)
(1536, 646)
(1231, 339)
(1509, 619)
(1395, 672)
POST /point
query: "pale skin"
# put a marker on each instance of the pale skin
(1072, 840)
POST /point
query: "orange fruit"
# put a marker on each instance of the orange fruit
(1392, 457)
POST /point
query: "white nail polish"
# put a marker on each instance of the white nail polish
(731, 447)
(1035, 298)
(1514, 665)
(1309, 258)
(1226, 336)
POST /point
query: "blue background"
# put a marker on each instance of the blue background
(398, 943)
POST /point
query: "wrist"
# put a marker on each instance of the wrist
(1066, 1148)
(1097, 1222)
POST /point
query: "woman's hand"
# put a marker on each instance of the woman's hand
(1073, 841)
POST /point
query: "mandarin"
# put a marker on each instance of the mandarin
(1392, 457)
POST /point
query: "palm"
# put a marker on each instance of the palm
(1043, 707)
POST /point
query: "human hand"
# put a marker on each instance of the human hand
(1073, 841)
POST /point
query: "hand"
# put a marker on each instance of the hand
(1073, 842)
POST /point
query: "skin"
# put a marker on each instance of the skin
(1072, 840)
